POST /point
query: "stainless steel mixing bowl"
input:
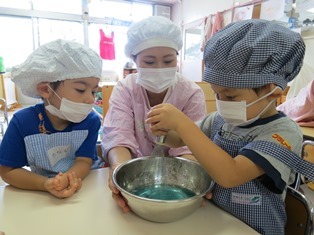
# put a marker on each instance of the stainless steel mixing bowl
(162, 189)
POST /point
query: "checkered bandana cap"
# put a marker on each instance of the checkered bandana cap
(253, 53)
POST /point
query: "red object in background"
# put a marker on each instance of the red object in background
(106, 46)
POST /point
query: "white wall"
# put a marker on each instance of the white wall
(190, 11)
(306, 75)
(309, 43)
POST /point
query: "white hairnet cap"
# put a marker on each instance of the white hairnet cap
(56, 61)
(154, 31)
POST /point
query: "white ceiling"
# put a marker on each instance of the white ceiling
(167, 2)
(162, 2)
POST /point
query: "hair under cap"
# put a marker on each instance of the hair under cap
(154, 31)
(56, 61)
(253, 53)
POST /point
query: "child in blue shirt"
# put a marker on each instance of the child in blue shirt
(56, 139)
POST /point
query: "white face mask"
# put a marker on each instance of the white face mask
(234, 112)
(156, 80)
(69, 110)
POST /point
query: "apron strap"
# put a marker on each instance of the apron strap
(284, 155)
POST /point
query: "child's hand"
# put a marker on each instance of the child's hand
(61, 181)
(208, 196)
(164, 117)
(73, 186)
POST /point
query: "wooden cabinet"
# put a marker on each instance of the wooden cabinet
(106, 93)
(8, 89)
(209, 96)
(107, 89)
(2, 92)
(102, 105)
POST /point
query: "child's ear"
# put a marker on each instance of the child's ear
(277, 93)
(43, 90)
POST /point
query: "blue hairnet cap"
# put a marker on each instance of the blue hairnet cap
(154, 31)
(56, 61)
(253, 53)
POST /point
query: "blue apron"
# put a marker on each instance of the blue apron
(50, 154)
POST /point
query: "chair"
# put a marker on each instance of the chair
(100, 154)
(99, 151)
(299, 213)
(4, 120)
(307, 153)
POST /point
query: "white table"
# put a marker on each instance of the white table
(308, 132)
(92, 211)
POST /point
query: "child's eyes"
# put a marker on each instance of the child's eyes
(94, 93)
(225, 97)
(152, 62)
(80, 91)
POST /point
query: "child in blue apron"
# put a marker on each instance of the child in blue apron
(57, 138)
(250, 149)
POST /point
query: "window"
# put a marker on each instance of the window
(141, 11)
(20, 4)
(126, 11)
(16, 41)
(192, 43)
(118, 16)
(63, 6)
(119, 41)
(49, 30)
(62, 19)
(110, 9)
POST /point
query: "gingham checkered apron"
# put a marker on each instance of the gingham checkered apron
(266, 214)
(39, 145)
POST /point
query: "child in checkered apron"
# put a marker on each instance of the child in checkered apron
(57, 138)
(249, 148)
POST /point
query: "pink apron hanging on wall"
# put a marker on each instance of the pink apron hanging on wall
(106, 46)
